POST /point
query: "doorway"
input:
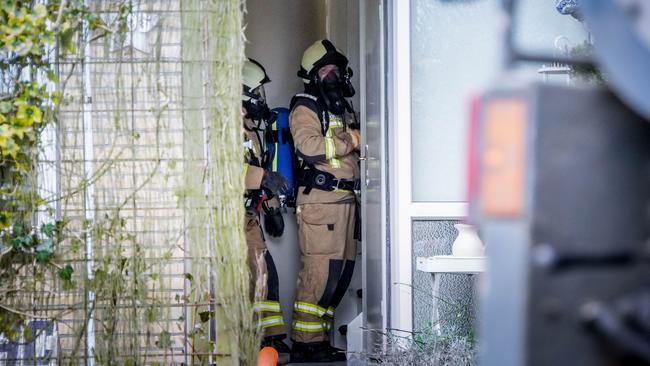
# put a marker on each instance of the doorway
(277, 33)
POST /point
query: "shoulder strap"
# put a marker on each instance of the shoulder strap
(312, 103)
(308, 101)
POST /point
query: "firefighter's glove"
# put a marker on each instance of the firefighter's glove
(274, 183)
(273, 222)
(355, 138)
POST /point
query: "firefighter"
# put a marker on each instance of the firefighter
(262, 186)
(328, 178)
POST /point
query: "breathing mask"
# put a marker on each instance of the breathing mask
(257, 109)
(334, 88)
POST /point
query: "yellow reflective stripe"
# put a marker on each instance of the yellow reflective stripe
(275, 159)
(327, 323)
(271, 321)
(330, 312)
(310, 327)
(270, 306)
(275, 152)
(307, 308)
(335, 163)
(306, 311)
(245, 169)
(330, 150)
(336, 122)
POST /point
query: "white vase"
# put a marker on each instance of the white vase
(467, 243)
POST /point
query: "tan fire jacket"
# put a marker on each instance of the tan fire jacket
(254, 151)
(333, 153)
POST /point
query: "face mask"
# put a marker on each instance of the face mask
(346, 85)
(258, 111)
(331, 91)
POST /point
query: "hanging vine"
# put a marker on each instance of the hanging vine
(33, 35)
(139, 282)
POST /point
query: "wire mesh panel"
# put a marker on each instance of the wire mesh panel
(144, 171)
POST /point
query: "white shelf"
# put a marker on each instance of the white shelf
(451, 264)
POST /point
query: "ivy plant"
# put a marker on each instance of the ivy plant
(34, 35)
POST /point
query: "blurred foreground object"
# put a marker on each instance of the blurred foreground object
(621, 33)
(563, 209)
(621, 29)
(562, 201)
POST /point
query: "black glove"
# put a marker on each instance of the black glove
(274, 183)
(273, 221)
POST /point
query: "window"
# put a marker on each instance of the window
(454, 54)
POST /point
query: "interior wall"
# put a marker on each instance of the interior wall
(342, 28)
(277, 33)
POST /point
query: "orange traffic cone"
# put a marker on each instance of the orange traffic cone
(268, 356)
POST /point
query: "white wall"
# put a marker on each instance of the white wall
(342, 28)
(278, 31)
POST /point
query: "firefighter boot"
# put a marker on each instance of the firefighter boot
(315, 352)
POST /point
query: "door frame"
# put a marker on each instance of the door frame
(402, 210)
(374, 300)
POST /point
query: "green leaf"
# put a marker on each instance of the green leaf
(66, 272)
(165, 340)
(48, 37)
(51, 75)
(18, 229)
(75, 245)
(21, 242)
(93, 21)
(67, 40)
(44, 250)
(56, 97)
(42, 257)
(152, 314)
(205, 316)
(40, 10)
(5, 107)
(5, 219)
(189, 277)
(27, 334)
(48, 230)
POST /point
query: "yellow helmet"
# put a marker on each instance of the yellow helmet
(317, 55)
(253, 76)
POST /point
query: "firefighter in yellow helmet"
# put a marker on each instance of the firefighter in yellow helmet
(262, 186)
(328, 144)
